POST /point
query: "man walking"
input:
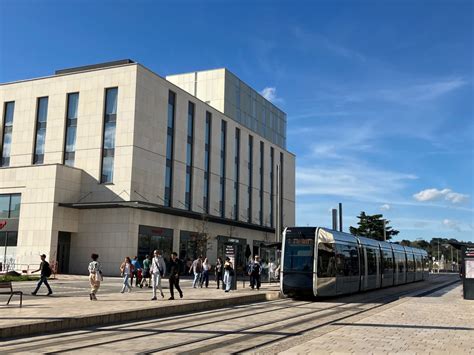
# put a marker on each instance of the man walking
(255, 271)
(45, 273)
(158, 269)
(136, 267)
(146, 277)
(196, 267)
(175, 269)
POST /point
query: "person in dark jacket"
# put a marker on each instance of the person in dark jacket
(255, 270)
(175, 269)
(45, 273)
(219, 271)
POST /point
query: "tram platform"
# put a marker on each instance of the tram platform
(70, 307)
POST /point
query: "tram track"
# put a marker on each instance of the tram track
(249, 334)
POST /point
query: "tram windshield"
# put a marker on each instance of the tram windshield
(299, 250)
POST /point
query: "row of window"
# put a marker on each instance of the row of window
(108, 151)
(108, 148)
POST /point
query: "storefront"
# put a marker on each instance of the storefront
(9, 215)
(154, 238)
(191, 246)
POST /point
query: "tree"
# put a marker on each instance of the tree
(371, 226)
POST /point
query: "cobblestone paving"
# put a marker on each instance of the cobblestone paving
(440, 323)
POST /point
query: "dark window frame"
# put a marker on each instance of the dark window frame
(66, 126)
(37, 125)
(107, 152)
(4, 129)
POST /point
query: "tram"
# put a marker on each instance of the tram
(322, 262)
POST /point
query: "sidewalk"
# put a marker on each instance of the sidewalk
(45, 314)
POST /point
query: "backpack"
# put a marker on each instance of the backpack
(46, 271)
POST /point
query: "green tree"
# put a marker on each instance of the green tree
(371, 226)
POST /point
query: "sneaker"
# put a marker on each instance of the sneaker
(90, 296)
(122, 291)
(162, 295)
(49, 294)
(226, 291)
(150, 287)
(171, 298)
(181, 295)
(33, 293)
(153, 299)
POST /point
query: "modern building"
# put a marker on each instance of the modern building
(114, 159)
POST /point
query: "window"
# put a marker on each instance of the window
(10, 206)
(371, 261)
(347, 260)
(223, 172)
(236, 173)
(272, 189)
(71, 126)
(189, 157)
(250, 187)
(41, 118)
(9, 108)
(207, 156)
(170, 149)
(262, 172)
(108, 144)
(387, 261)
(326, 260)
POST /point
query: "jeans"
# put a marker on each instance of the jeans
(205, 278)
(197, 278)
(227, 280)
(43, 279)
(156, 283)
(219, 279)
(174, 282)
(125, 283)
(255, 281)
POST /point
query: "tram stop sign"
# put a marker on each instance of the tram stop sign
(468, 272)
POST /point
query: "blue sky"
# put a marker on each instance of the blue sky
(379, 94)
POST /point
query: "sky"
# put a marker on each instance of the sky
(378, 94)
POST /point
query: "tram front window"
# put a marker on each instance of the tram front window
(299, 254)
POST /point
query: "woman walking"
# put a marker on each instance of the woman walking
(228, 274)
(219, 271)
(126, 269)
(206, 267)
(95, 276)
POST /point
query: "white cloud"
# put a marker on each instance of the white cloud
(449, 223)
(270, 94)
(435, 194)
(385, 207)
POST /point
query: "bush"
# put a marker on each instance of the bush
(18, 278)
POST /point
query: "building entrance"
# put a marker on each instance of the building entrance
(63, 252)
(154, 238)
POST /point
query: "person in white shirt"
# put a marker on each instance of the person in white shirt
(126, 270)
(95, 276)
(206, 268)
(158, 270)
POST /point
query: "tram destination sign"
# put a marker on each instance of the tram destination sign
(300, 241)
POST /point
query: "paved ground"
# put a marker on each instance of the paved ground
(384, 321)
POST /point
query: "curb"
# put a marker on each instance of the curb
(126, 316)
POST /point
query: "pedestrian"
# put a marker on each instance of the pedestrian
(95, 276)
(136, 267)
(126, 269)
(271, 270)
(196, 268)
(228, 274)
(206, 267)
(176, 266)
(255, 272)
(146, 279)
(158, 270)
(219, 271)
(45, 273)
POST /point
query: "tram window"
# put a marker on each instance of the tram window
(387, 260)
(411, 263)
(298, 257)
(401, 262)
(326, 260)
(371, 261)
(347, 260)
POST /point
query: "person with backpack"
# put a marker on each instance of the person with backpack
(126, 269)
(196, 268)
(158, 270)
(45, 273)
(176, 267)
(146, 279)
(95, 276)
(228, 274)
(255, 272)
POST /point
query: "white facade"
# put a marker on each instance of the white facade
(67, 213)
